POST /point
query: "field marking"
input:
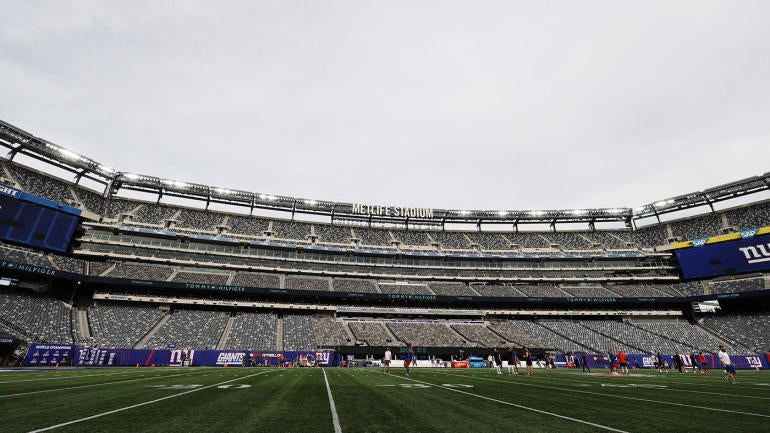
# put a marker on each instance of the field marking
(160, 376)
(531, 409)
(73, 376)
(663, 376)
(571, 376)
(622, 397)
(99, 415)
(668, 383)
(335, 418)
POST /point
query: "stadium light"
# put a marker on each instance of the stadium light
(578, 212)
(175, 183)
(311, 202)
(502, 213)
(464, 213)
(223, 191)
(131, 176)
(106, 169)
(70, 154)
(536, 213)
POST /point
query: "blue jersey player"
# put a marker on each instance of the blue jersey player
(409, 357)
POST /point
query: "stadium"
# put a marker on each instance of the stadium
(95, 278)
(344, 216)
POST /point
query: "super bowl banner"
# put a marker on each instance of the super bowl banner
(49, 355)
(95, 357)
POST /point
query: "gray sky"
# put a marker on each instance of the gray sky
(446, 104)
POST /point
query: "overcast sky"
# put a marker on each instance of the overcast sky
(445, 104)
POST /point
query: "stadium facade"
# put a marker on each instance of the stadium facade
(91, 267)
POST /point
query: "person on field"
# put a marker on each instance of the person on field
(613, 362)
(498, 362)
(386, 360)
(513, 367)
(678, 364)
(409, 358)
(623, 362)
(528, 361)
(584, 363)
(694, 362)
(727, 364)
(704, 364)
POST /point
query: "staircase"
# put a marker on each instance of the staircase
(142, 341)
(226, 333)
(279, 334)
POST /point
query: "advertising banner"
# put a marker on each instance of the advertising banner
(638, 361)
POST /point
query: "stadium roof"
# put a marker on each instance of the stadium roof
(21, 141)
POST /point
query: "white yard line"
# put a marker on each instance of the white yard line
(335, 418)
(674, 382)
(531, 409)
(657, 378)
(573, 390)
(88, 418)
(92, 385)
(668, 379)
(72, 376)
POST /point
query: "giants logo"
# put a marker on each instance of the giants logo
(323, 358)
(177, 356)
(757, 253)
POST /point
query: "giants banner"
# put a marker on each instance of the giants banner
(312, 359)
(220, 358)
(741, 362)
(749, 254)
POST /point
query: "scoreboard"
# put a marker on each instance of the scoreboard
(749, 254)
(35, 225)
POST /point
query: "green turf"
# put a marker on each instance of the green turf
(441, 400)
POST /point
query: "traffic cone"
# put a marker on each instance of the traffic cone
(153, 366)
(225, 366)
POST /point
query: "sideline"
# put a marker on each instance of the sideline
(673, 382)
(71, 376)
(99, 415)
(612, 395)
(157, 376)
(531, 409)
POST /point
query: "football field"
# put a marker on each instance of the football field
(365, 399)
